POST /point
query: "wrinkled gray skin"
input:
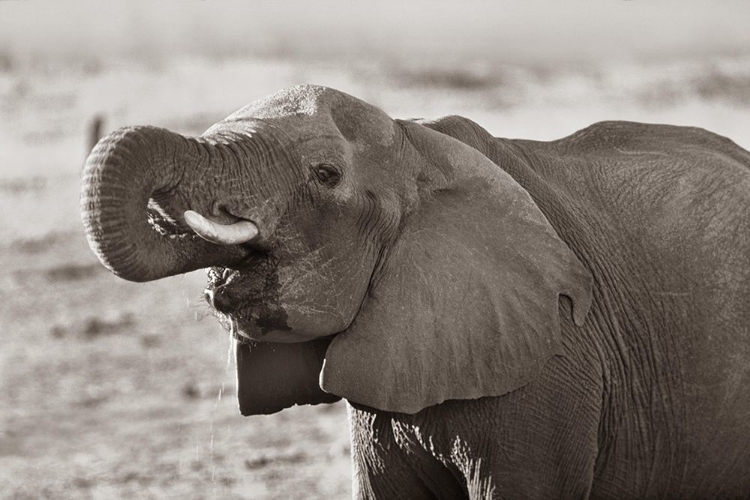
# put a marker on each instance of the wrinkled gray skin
(418, 245)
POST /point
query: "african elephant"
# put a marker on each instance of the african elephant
(506, 318)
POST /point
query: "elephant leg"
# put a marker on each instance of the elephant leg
(403, 483)
(545, 436)
(538, 442)
(387, 467)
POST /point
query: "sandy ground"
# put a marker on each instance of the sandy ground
(110, 389)
(114, 390)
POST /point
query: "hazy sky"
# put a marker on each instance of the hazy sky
(528, 30)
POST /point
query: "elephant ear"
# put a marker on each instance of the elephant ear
(272, 376)
(466, 303)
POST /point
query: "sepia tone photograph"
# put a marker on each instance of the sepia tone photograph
(383, 250)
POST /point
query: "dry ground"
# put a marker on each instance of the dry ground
(114, 390)
(110, 389)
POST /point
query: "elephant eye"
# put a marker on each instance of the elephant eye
(328, 175)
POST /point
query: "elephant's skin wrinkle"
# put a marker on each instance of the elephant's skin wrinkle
(506, 318)
(658, 334)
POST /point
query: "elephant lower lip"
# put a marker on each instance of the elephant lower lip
(242, 330)
(237, 332)
(245, 323)
(249, 331)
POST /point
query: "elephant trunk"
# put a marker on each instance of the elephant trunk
(133, 197)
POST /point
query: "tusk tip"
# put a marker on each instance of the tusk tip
(194, 220)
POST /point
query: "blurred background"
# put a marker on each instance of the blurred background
(110, 389)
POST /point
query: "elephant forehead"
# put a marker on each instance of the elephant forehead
(307, 111)
(305, 100)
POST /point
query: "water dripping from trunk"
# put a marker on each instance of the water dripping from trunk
(230, 351)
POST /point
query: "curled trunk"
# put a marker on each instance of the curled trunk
(133, 198)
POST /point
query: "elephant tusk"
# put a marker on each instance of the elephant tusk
(222, 234)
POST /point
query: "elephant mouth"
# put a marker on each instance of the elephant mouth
(246, 299)
(218, 276)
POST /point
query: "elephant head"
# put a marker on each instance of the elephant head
(377, 259)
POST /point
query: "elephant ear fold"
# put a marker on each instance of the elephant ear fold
(271, 376)
(466, 304)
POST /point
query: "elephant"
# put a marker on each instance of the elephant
(505, 318)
